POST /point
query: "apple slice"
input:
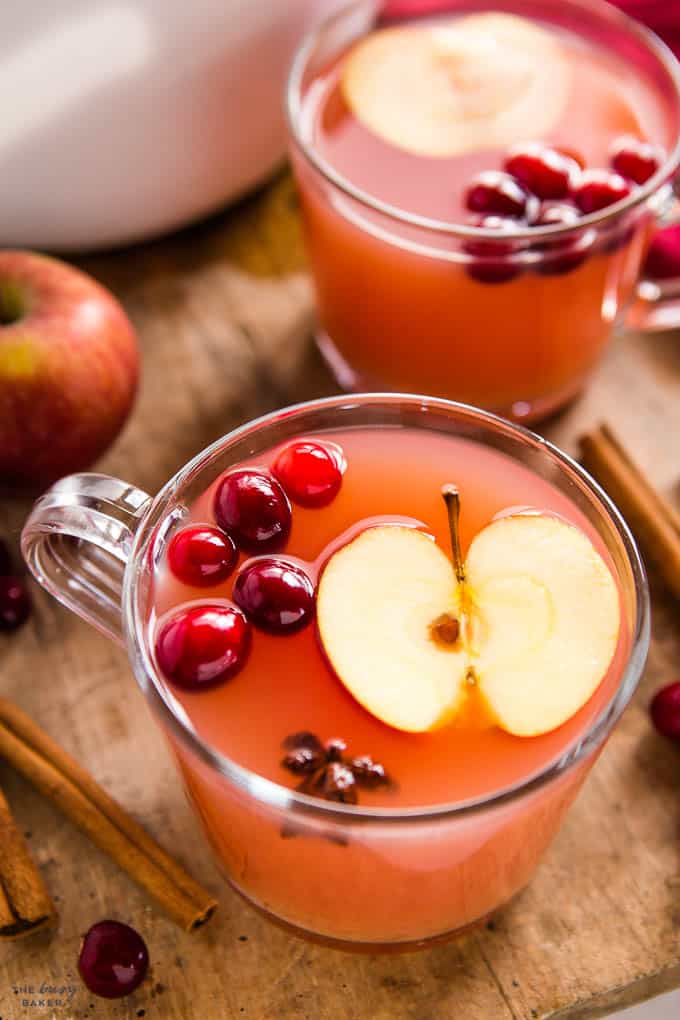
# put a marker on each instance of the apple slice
(532, 619)
(546, 620)
(378, 600)
(448, 87)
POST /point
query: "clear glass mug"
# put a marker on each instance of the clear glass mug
(398, 309)
(371, 877)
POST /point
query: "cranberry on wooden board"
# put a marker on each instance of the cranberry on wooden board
(665, 710)
(663, 258)
(113, 959)
(15, 603)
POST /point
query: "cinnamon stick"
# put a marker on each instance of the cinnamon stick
(74, 791)
(25, 904)
(653, 520)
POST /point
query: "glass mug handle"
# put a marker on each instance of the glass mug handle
(656, 305)
(77, 541)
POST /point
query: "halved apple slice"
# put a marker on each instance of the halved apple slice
(546, 620)
(448, 87)
(377, 603)
(532, 619)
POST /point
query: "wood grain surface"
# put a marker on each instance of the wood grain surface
(224, 313)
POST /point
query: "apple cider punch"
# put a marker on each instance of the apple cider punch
(385, 619)
(471, 182)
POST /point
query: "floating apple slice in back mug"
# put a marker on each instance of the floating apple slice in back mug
(531, 619)
(445, 88)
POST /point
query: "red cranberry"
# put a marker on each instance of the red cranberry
(310, 471)
(489, 263)
(113, 959)
(561, 254)
(663, 257)
(634, 159)
(203, 646)
(201, 555)
(545, 172)
(15, 603)
(496, 192)
(251, 505)
(665, 711)
(5, 559)
(278, 596)
(599, 188)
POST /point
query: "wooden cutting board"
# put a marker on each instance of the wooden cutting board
(224, 313)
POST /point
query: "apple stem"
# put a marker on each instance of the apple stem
(452, 500)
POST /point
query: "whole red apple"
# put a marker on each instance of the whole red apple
(68, 369)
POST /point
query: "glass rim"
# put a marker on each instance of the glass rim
(273, 794)
(293, 110)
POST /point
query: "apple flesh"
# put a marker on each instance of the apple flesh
(536, 612)
(450, 87)
(377, 601)
(69, 366)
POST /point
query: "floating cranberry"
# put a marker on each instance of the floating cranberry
(665, 711)
(496, 192)
(663, 257)
(277, 595)
(201, 555)
(203, 646)
(15, 602)
(253, 508)
(5, 559)
(310, 471)
(635, 159)
(545, 172)
(561, 255)
(113, 959)
(489, 263)
(598, 189)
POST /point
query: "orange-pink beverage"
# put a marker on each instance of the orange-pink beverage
(408, 298)
(335, 876)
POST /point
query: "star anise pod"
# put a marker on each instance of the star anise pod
(328, 771)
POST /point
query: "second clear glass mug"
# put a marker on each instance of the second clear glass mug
(376, 878)
(397, 307)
